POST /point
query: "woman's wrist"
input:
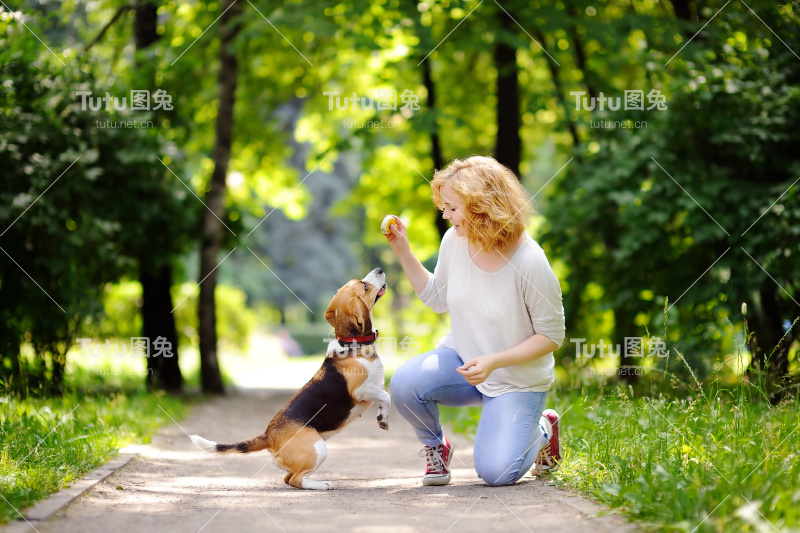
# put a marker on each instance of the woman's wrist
(496, 360)
(407, 259)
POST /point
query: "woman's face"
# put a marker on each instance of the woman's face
(454, 210)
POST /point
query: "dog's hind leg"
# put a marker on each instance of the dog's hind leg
(302, 459)
(322, 454)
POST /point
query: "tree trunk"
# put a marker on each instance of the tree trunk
(56, 387)
(767, 328)
(436, 149)
(509, 146)
(580, 54)
(210, 376)
(158, 321)
(560, 95)
(145, 24)
(682, 10)
(157, 317)
(15, 376)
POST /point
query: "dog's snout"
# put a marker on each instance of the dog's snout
(376, 278)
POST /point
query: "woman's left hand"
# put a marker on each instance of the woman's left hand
(477, 370)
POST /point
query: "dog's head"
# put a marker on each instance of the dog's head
(350, 311)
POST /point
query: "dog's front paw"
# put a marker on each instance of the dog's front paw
(383, 422)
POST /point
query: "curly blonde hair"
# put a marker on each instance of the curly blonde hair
(498, 206)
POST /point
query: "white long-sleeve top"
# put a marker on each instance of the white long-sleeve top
(494, 311)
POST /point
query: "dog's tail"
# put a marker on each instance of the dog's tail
(245, 446)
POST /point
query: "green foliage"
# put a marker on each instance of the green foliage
(672, 462)
(80, 205)
(626, 236)
(120, 317)
(235, 321)
(654, 208)
(46, 444)
(310, 337)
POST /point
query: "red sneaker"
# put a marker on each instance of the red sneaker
(438, 461)
(550, 455)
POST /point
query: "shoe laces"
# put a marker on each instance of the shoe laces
(434, 458)
(545, 457)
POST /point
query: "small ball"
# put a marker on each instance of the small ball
(387, 221)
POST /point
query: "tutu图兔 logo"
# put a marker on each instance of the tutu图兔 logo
(138, 347)
(634, 347)
(140, 100)
(634, 100)
(384, 99)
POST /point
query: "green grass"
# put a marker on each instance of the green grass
(674, 463)
(46, 443)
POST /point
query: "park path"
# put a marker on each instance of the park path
(172, 486)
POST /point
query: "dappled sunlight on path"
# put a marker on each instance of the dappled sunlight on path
(173, 486)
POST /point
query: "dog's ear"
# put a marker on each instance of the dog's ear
(359, 318)
(350, 320)
(330, 312)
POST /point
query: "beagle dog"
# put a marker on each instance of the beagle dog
(350, 380)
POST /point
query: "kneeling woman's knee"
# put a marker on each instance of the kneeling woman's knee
(497, 474)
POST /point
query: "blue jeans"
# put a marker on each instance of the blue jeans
(509, 435)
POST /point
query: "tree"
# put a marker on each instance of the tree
(508, 150)
(155, 272)
(78, 200)
(655, 208)
(210, 376)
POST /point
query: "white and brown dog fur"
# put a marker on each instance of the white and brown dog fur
(350, 380)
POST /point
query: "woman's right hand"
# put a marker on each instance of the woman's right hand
(398, 241)
(398, 238)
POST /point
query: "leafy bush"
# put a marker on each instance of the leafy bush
(654, 209)
(109, 203)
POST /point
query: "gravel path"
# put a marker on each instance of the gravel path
(175, 487)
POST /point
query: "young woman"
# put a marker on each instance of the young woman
(506, 318)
